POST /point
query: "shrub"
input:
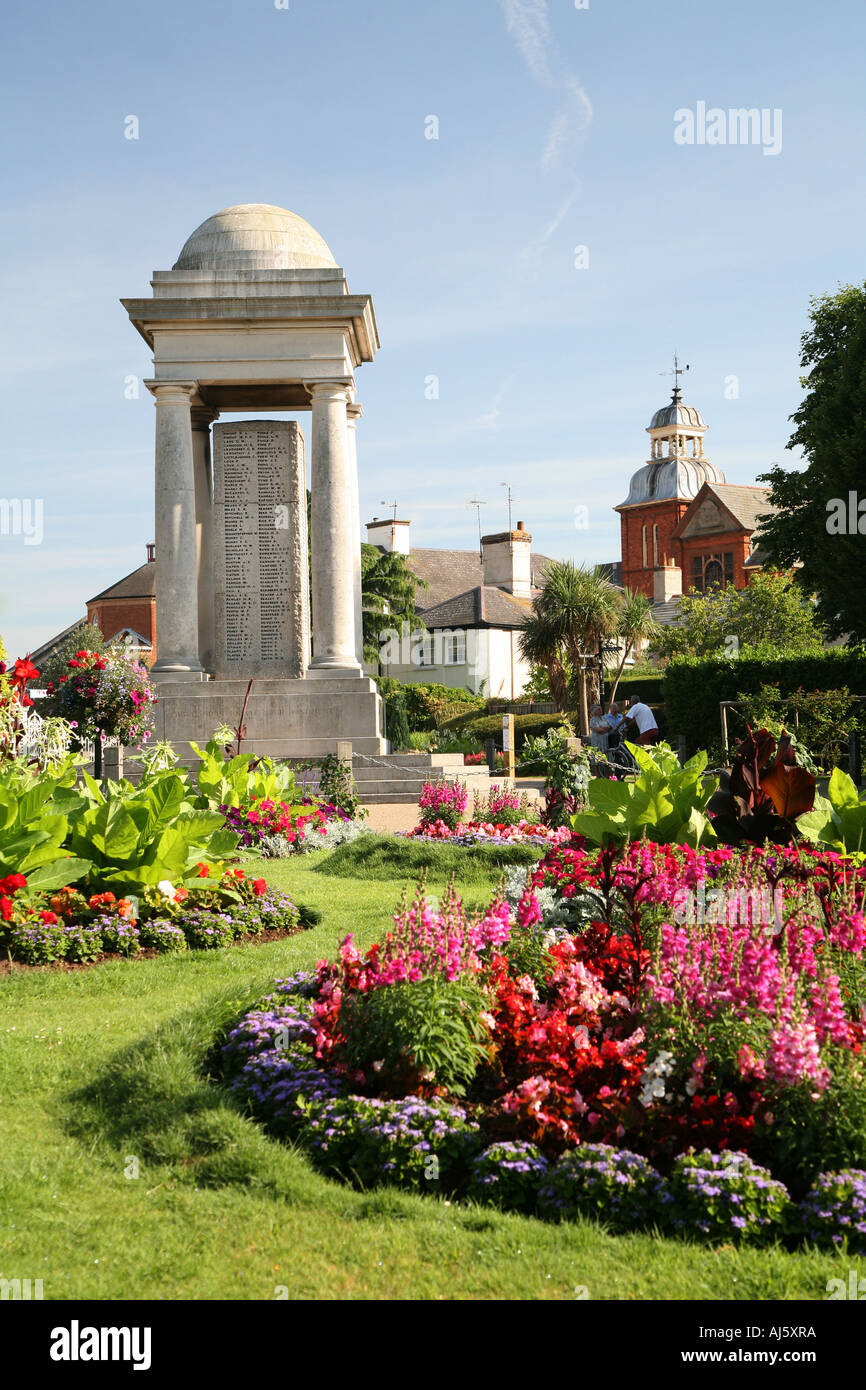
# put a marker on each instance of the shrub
(120, 936)
(694, 686)
(481, 727)
(613, 1185)
(827, 1130)
(411, 1142)
(442, 801)
(206, 931)
(426, 1032)
(834, 1211)
(392, 856)
(508, 1174)
(427, 703)
(39, 944)
(337, 785)
(84, 942)
(725, 1196)
(163, 936)
(396, 721)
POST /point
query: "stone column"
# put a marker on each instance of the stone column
(203, 473)
(333, 565)
(176, 560)
(353, 414)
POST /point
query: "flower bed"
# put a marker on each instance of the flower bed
(578, 1071)
(278, 828)
(47, 928)
(477, 833)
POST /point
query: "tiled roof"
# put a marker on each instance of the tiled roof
(140, 584)
(666, 613)
(484, 606)
(450, 573)
(42, 653)
(746, 503)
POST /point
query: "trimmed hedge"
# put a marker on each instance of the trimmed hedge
(486, 726)
(694, 686)
(430, 705)
(650, 689)
(529, 725)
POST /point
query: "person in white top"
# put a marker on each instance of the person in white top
(645, 720)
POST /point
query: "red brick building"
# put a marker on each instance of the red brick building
(683, 525)
(128, 609)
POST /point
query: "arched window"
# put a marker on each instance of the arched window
(655, 545)
(643, 545)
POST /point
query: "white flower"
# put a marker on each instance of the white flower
(167, 889)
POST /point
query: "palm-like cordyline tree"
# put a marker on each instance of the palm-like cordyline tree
(579, 606)
(539, 645)
(636, 625)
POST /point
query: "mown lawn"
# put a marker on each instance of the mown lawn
(101, 1076)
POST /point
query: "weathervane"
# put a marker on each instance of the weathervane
(393, 506)
(676, 374)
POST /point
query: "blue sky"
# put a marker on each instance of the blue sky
(556, 130)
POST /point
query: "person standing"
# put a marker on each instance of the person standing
(643, 716)
(599, 729)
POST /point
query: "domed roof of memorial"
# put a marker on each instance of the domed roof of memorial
(255, 236)
(676, 413)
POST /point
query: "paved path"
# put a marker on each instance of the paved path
(388, 816)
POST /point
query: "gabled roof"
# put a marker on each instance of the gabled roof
(47, 648)
(484, 606)
(743, 504)
(450, 573)
(127, 636)
(140, 584)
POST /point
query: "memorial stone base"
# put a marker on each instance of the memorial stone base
(284, 718)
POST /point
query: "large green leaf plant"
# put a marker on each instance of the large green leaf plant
(666, 802)
(141, 836)
(838, 820)
(241, 780)
(37, 808)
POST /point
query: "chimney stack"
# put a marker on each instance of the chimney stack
(667, 582)
(389, 535)
(506, 561)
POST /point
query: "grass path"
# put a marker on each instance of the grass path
(100, 1071)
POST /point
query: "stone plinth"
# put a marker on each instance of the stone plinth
(284, 718)
(260, 568)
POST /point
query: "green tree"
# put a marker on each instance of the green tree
(541, 645)
(388, 589)
(578, 607)
(84, 636)
(831, 431)
(773, 612)
(636, 625)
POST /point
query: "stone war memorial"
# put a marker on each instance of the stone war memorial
(256, 316)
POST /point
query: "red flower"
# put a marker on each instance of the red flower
(12, 882)
(6, 908)
(23, 671)
(260, 887)
(203, 870)
(48, 917)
